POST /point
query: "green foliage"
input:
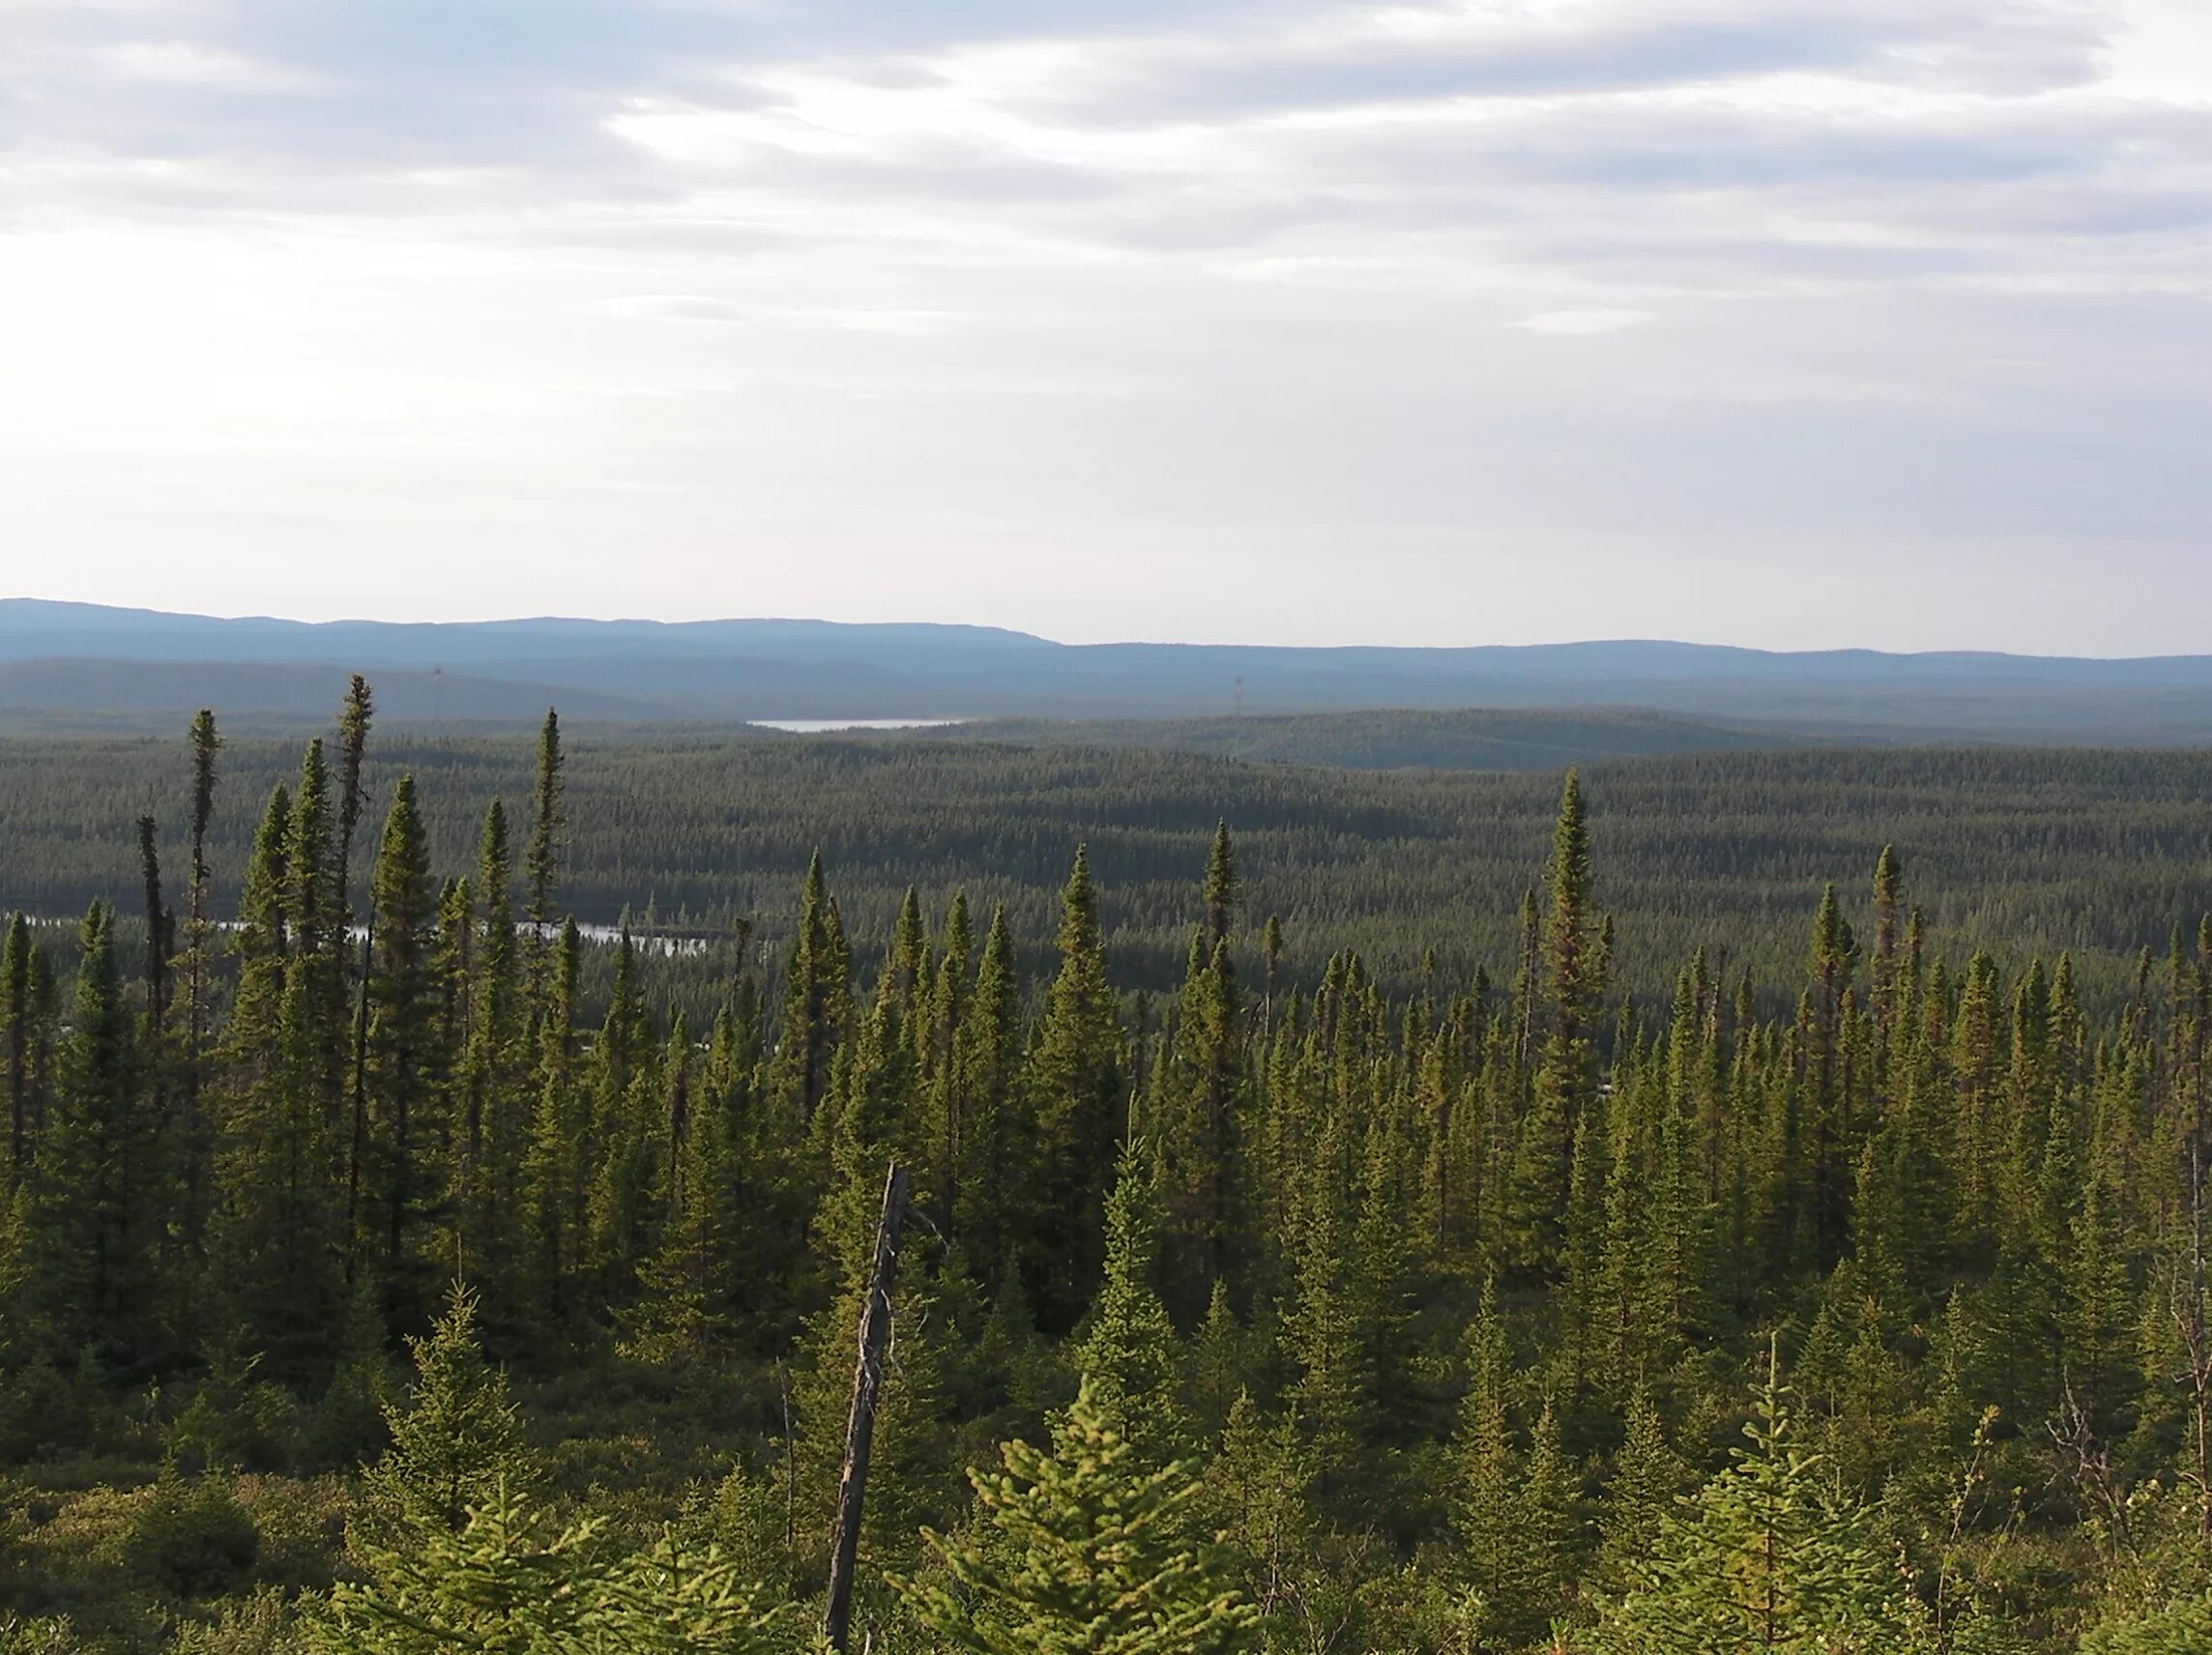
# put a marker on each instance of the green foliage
(2182, 1628)
(1770, 1555)
(1448, 1285)
(1647, 1480)
(189, 1536)
(260, 1623)
(2032, 852)
(457, 1438)
(1083, 1550)
(511, 1581)
(1077, 1099)
(1128, 1351)
(42, 1636)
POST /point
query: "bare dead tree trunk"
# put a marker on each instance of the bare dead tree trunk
(860, 1423)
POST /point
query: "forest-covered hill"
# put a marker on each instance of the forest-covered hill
(722, 670)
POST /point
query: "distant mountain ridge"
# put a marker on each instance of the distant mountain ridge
(60, 661)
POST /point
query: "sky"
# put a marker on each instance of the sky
(1790, 323)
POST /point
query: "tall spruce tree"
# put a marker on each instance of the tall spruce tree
(495, 1119)
(1078, 1086)
(1573, 975)
(355, 715)
(160, 922)
(542, 860)
(1222, 887)
(405, 1064)
(16, 1029)
(552, 1164)
(1202, 1135)
(937, 1043)
(101, 1171)
(195, 1137)
(994, 1155)
(817, 1006)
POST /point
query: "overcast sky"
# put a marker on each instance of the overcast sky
(1778, 322)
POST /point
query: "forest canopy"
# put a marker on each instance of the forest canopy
(383, 1267)
(2021, 851)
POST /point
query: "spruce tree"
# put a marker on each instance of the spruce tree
(1515, 1514)
(100, 1172)
(1257, 1488)
(355, 714)
(1078, 1086)
(1767, 1556)
(688, 1309)
(262, 943)
(495, 1121)
(1081, 1551)
(995, 1151)
(631, 1106)
(194, 1134)
(314, 1059)
(403, 1063)
(511, 1581)
(1271, 962)
(456, 1441)
(1824, 1111)
(1219, 1365)
(549, 822)
(1573, 973)
(1126, 1353)
(273, 1220)
(1549, 1502)
(1889, 914)
(1387, 1254)
(946, 1121)
(552, 1164)
(1978, 1129)
(1202, 1135)
(1323, 1335)
(1222, 887)
(15, 1027)
(541, 862)
(1639, 1495)
(160, 942)
(816, 1011)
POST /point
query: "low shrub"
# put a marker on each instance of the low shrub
(189, 1538)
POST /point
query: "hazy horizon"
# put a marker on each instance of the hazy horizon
(518, 618)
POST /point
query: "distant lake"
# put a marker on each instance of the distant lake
(658, 940)
(821, 726)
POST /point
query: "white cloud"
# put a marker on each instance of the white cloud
(184, 64)
(1581, 323)
(1025, 315)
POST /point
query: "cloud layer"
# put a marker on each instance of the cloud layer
(1788, 321)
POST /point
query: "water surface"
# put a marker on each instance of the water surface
(823, 726)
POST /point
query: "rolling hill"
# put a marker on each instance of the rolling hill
(81, 666)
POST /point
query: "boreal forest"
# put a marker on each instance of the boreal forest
(910, 1195)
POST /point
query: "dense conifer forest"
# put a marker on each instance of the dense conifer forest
(1354, 1213)
(2021, 851)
